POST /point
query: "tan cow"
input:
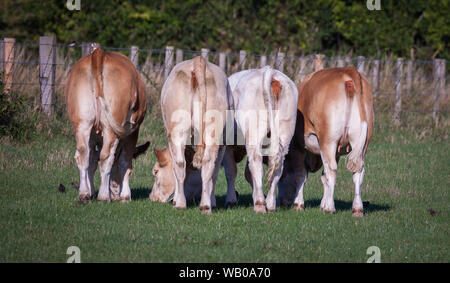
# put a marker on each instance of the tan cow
(106, 104)
(335, 118)
(194, 101)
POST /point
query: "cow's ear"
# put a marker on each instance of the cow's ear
(161, 157)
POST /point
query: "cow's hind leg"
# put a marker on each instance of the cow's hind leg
(126, 165)
(300, 180)
(230, 166)
(211, 164)
(179, 168)
(355, 164)
(114, 185)
(357, 207)
(256, 169)
(93, 163)
(82, 158)
(271, 195)
(107, 155)
(328, 154)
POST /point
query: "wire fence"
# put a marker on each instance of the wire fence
(38, 72)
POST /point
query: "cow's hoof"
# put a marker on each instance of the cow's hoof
(299, 207)
(103, 199)
(260, 207)
(357, 212)
(230, 204)
(270, 209)
(179, 207)
(205, 209)
(115, 197)
(125, 199)
(328, 210)
(84, 199)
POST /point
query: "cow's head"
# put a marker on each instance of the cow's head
(164, 185)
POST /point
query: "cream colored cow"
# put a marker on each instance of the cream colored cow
(194, 101)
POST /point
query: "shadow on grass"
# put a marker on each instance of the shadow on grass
(140, 193)
(246, 200)
(342, 205)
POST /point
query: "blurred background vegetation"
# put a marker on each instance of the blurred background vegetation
(418, 29)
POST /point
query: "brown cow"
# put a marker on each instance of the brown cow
(335, 118)
(106, 104)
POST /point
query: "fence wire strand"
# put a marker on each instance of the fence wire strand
(418, 81)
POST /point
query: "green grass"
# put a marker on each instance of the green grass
(407, 174)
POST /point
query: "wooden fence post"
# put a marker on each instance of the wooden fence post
(8, 63)
(279, 65)
(302, 71)
(375, 75)
(439, 83)
(134, 55)
(222, 61)
(2, 55)
(263, 61)
(361, 65)
(168, 61)
(398, 90)
(242, 59)
(318, 62)
(205, 54)
(179, 57)
(47, 67)
(348, 61)
(409, 74)
(85, 48)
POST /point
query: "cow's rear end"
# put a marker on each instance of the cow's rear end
(106, 104)
(337, 113)
(194, 101)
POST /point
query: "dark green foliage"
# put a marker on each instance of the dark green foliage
(13, 122)
(258, 26)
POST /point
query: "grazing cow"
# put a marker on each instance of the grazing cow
(164, 185)
(265, 102)
(106, 104)
(194, 101)
(335, 117)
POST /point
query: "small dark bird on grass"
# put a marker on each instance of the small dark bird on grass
(61, 188)
(433, 212)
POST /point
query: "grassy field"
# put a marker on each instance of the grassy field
(407, 184)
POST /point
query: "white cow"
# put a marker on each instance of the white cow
(266, 107)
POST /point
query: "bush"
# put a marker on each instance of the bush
(15, 118)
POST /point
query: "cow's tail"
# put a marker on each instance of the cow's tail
(355, 161)
(103, 115)
(271, 91)
(198, 83)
